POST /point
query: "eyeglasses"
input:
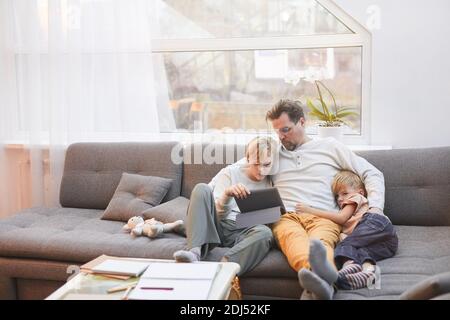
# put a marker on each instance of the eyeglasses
(285, 130)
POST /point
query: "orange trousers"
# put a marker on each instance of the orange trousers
(293, 232)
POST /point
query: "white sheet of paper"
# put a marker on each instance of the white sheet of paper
(196, 271)
(123, 267)
(180, 289)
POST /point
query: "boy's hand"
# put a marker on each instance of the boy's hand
(303, 208)
(342, 236)
(238, 190)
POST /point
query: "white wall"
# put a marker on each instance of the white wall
(410, 72)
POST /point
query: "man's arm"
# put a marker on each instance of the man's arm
(372, 177)
(340, 217)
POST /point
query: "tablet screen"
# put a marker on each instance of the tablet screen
(261, 199)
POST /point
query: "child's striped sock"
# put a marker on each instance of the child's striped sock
(350, 268)
(355, 280)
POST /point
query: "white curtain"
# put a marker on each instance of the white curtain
(70, 71)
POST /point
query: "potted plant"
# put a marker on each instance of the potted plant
(332, 120)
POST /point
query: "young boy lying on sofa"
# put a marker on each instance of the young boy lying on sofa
(365, 239)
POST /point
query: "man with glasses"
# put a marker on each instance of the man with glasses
(304, 175)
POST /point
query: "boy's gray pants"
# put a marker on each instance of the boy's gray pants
(248, 246)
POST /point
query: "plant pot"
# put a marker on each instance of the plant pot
(335, 132)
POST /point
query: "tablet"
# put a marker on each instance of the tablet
(262, 206)
(261, 199)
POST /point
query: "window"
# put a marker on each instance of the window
(217, 64)
(225, 62)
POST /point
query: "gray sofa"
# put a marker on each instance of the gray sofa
(38, 245)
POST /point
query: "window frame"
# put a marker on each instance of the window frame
(360, 37)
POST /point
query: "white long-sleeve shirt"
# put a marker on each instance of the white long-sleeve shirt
(306, 173)
(228, 176)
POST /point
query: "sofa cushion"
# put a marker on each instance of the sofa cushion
(169, 211)
(422, 252)
(77, 235)
(92, 171)
(135, 194)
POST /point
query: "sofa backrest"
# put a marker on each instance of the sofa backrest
(417, 182)
(196, 169)
(92, 171)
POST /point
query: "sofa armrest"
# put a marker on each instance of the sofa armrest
(429, 288)
(442, 297)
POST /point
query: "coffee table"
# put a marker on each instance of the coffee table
(85, 286)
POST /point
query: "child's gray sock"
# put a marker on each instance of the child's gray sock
(319, 263)
(311, 282)
(191, 255)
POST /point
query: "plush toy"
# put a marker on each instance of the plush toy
(151, 228)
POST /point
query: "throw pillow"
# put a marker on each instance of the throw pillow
(134, 194)
(169, 211)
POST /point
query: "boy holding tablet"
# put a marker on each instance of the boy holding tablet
(212, 211)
